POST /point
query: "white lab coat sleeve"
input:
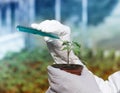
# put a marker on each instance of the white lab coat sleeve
(112, 85)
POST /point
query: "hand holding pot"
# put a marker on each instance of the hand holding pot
(63, 82)
(55, 45)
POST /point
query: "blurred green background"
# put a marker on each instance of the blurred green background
(24, 57)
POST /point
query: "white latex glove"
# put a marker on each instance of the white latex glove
(64, 82)
(55, 45)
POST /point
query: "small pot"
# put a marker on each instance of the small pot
(71, 68)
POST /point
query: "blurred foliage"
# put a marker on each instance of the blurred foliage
(26, 72)
(97, 9)
(99, 64)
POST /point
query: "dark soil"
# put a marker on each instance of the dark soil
(71, 68)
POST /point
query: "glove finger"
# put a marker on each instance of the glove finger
(50, 90)
(55, 72)
(49, 26)
(41, 26)
(45, 26)
(44, 23)
(54, 87)
(54, 26)
(53, 79)
(35, 26)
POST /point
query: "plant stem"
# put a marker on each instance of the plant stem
(68, 53)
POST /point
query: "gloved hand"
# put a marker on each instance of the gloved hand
(55, 45)
(63, 82)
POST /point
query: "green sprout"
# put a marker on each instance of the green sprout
(69, 46)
